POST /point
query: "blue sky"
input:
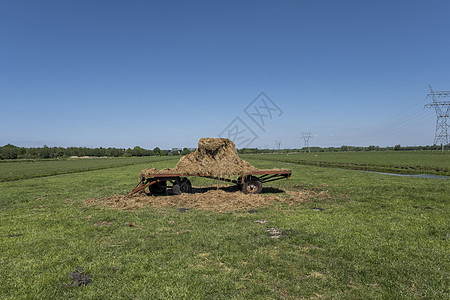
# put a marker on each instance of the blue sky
(166, 73)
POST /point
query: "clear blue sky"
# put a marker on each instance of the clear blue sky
(166, 73)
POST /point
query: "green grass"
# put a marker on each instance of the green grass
(17, 169)
(377, 237)
(405, 162)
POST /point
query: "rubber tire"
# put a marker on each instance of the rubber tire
(252, 185)
(176, 189)
(185, 186)
(158, 188)
(239, 183)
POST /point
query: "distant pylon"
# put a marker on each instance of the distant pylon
(278, 144)
(306, 136)
(442, 109)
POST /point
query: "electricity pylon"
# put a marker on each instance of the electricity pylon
(278, 144)
(442, 109)
(306, 136)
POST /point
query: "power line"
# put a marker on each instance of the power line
(390, 127)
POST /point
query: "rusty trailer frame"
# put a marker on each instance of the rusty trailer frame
(249, 183)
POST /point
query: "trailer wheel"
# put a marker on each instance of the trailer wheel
(239, 183)
(182, 186)
(158, 188)
(252, 185)
(176, 189)
(185, 186)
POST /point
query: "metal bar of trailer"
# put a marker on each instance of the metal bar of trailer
(262, 172)
(221, 179)
(274, 179)
(269, 176)
(166, 175)
(269, 172)
(140, 188)
(266, 178)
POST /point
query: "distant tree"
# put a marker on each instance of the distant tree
(59, 152)
(129, 152)
(137, 151)
(94, 152)
(22, 152)
(397, 147)
(157, 151)
(10, 151)
(45, 152)
(146, 152)
(102, 151)
(248, 150)
(173, 153)
(185, 151)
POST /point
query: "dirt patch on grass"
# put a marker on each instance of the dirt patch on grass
(220, 199)
(79, 278)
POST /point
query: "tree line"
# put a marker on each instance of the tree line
(13, 152)
(341, 149)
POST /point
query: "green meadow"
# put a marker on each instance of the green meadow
(403, 162)
(23, 169)
(376, 236)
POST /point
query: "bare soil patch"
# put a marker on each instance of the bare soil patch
(220, 199)
(79, 278)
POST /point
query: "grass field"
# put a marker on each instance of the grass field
(377, 236)
(17, 169)
(405, 162)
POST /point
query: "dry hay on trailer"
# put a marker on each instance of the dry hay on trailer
(213, 157)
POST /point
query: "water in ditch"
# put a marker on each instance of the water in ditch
(410, 175)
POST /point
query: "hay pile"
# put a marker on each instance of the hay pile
(213, 157)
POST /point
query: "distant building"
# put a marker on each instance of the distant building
(177, 150)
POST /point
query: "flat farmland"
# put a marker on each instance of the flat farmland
(403, 162)
(357, 236)
(18, 169)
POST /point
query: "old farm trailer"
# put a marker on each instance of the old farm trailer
(249, 183)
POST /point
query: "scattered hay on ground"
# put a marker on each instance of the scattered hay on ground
(222, 199)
